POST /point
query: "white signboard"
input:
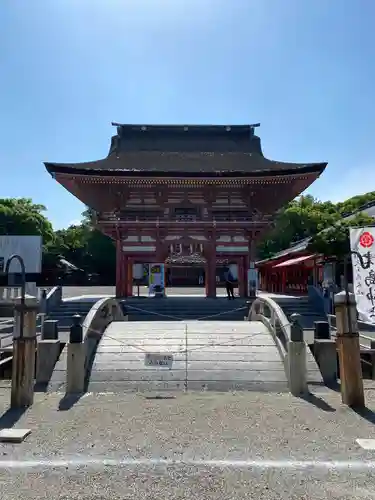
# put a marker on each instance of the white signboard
(252, 281)
(159, 359)
(27, 247)
(137, 271)
(362, 241)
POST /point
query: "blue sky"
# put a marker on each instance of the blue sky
(305, 69)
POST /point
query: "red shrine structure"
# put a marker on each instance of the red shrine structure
(292, 270)
(185, 195)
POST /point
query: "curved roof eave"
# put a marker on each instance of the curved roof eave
(264, 166)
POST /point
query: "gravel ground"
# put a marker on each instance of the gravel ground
(274, 446)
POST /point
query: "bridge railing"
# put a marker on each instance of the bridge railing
(51, 301)
(288, 338)
(98, 318)
(267, 311)
(9, 294)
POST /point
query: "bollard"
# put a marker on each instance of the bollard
(249, 304)
(297, 376)
(50, 329)
(75, 368)
(76, 332)
(321, 330)
(24, 347)
(296, 331)
(48, 353)
(325, 353)
(352, 393)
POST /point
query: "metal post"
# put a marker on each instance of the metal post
(23, 285)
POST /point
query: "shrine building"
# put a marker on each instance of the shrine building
(195, 197)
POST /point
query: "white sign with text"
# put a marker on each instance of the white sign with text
(362, 243)
(159, 359)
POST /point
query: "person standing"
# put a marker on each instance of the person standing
(229, 284)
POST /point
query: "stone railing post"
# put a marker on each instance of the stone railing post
(250, 310)
(352, 393)
(50, 329)
(297, 376)
(24, 347)
(48, 351)
(325, 352)
(75, 368)
(321, 330)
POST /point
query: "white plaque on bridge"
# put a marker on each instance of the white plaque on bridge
(159, 359)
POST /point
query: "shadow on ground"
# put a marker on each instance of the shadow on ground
(365, 413)
(318, 402)
(69, 400)
(11, 417)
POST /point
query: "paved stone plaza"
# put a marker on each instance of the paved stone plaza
(206, 446)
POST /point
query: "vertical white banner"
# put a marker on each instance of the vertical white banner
(362, 241)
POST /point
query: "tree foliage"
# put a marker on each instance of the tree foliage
(307, 217)
(333, 242)
(20, 216)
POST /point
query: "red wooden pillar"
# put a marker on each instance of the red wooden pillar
(241, 277)
(124, 276)
(119, 264)
(245, 273)
(283, 280)
(129, 279)
(210, 271)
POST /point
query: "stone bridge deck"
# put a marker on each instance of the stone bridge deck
(199, 355)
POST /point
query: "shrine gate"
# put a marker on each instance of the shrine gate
(185, 194)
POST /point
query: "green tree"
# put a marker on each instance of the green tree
(301, 218)
(352, 204)
(85, 247)
(70, 243)
(20, 216)
(101, 251)
(334, 241)
(306, 217)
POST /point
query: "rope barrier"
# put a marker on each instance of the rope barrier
(179, 318)
(202, 346)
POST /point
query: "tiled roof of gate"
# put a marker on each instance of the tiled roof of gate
(197, 149)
